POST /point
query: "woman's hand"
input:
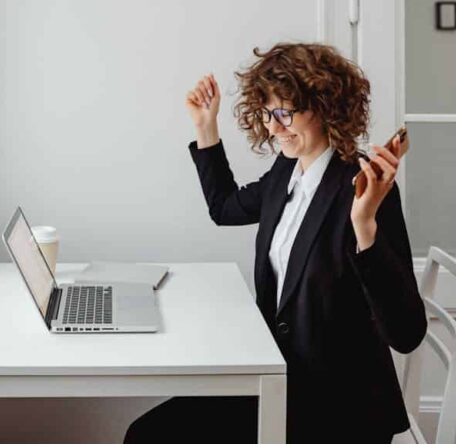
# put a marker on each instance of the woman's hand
(365, 207)
(203, 103)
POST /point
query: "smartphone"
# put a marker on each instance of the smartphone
(360, 180)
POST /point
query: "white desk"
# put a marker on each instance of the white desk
(213, 341)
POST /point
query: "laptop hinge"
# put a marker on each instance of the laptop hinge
(53, 306)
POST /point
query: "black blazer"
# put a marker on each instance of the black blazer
(340, 311)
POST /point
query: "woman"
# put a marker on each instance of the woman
(333, 273)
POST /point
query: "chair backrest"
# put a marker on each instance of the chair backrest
(446, 431)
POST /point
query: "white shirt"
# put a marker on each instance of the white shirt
(303, 186)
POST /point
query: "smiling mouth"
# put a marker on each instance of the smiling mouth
(286, 139)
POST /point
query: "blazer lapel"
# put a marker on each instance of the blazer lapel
(307, 233)
(276, 200)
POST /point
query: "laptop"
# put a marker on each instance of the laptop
(92, 307)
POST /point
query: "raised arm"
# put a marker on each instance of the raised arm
(228, 205)
(384, 264)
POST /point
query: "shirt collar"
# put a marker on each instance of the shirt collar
(310, 178)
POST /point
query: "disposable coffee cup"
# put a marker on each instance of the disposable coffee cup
(48, 241)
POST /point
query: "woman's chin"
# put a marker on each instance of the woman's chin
(289, 152)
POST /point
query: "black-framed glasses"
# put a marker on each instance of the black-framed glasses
(282, 115)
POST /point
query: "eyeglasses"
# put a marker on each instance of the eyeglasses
(282, 116)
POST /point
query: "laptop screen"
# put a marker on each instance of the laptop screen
(29, 259)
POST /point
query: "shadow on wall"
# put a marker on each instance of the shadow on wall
(73, 421)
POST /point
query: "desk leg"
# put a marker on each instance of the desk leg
(272, 406)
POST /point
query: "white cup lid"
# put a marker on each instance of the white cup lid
(45, 235)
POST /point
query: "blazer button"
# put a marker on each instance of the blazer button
(283, 328)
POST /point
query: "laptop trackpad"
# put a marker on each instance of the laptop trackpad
(135, 304)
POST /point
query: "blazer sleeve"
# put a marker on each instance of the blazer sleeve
(385, 271)
(228, 204)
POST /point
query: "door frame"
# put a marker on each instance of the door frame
(368, 32)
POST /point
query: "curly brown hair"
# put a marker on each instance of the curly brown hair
(312, 77)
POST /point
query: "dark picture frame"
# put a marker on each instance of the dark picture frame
(445, 16)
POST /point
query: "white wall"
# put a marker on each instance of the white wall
(93, 127)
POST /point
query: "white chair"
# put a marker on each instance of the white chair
(446, 430)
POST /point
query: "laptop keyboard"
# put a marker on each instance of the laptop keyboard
(88, 305)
